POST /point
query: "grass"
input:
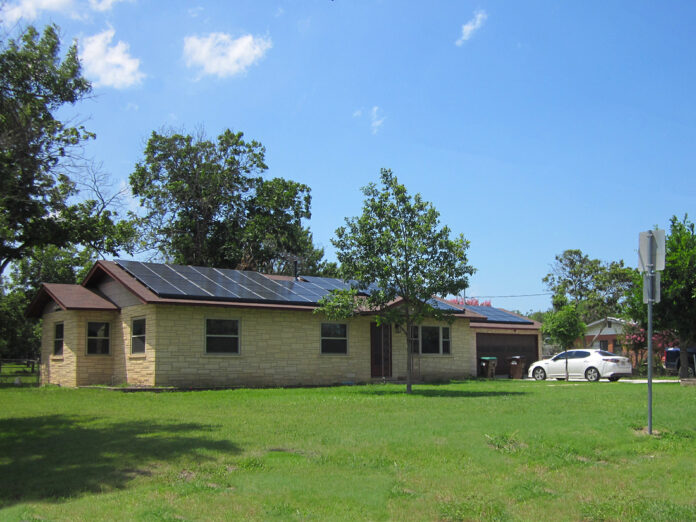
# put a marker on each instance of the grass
(493, 450)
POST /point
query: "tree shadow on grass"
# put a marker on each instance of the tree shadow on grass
(58, 456)
(418, 392)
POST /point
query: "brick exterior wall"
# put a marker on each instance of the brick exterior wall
(460, 363)
(277, 347)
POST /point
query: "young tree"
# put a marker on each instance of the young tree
(564, 326)
(207, 205)
(398, 251)
(595, 288)
(39, 151)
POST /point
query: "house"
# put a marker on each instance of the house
(149, 324)
(605, 334)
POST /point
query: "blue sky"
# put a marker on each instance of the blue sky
(533, 127)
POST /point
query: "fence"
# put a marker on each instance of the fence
(19, 372)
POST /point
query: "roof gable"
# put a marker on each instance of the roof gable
(68, 297)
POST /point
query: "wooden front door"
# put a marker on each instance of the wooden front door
(381, 347)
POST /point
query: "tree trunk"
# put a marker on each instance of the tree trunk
(409, 356)
(684, 359)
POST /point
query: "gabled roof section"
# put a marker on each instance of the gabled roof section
(67, 297)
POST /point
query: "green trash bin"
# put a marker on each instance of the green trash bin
(487, 367)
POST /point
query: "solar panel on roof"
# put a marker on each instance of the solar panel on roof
(497, 315)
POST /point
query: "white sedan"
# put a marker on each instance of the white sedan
(588, 363)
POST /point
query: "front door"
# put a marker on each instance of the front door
(380, 348)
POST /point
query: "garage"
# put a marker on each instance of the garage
(502, 346)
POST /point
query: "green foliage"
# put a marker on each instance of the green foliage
(206, 203)
(39, 152)
(397, 249)
(19, 335)
(340, 304)
(597, 289)
(676, 310)
(563, 326)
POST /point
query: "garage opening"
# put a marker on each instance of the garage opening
(503, 346)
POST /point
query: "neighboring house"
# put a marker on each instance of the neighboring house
(149, 324)
(605, 334)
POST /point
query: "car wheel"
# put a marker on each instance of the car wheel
(614, 379)
(539, 374)
(592, 374)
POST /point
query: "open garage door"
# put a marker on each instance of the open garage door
(503, 346)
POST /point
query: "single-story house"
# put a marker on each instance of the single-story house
(605, 334)
(150, 324)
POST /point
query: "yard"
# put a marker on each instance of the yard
(502, 450)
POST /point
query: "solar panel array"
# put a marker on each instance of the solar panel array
(195, 282)
(496, 315)
(223, 284)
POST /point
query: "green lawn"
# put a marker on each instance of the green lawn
(503, 450)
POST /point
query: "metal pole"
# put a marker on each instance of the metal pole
(651, 298)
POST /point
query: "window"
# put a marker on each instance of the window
(431, 340)
(58, 340)
(221, 336)
(580, 354)
(98, 338)
(138, 336)
(603, 345)
(334, 338)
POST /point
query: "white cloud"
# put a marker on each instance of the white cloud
(375, 120)
(110, 65)
(104, 5)
(357, 113)
(221, 55)
(30, 9)
(473, 25)
(194, 12)
(279, 12)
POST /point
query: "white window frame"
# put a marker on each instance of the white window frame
(107, 337)
(322, 338)
(133, 336)
(419, 340)
(224, 336)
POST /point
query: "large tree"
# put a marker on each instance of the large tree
(39, 153)
(595, 288)
(398, 250)
(207, 204)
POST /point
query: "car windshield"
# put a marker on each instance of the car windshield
(606, 354)
(562, 356)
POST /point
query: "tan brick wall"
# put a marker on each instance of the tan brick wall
(460, 363)
(97, 369)
(61, 369)
(136, 369)
(284, 348)
(276, 348)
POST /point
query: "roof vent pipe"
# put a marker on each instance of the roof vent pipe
(296, 277)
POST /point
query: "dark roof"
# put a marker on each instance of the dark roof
(192, 285)
(498, 315)
(68, 297)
